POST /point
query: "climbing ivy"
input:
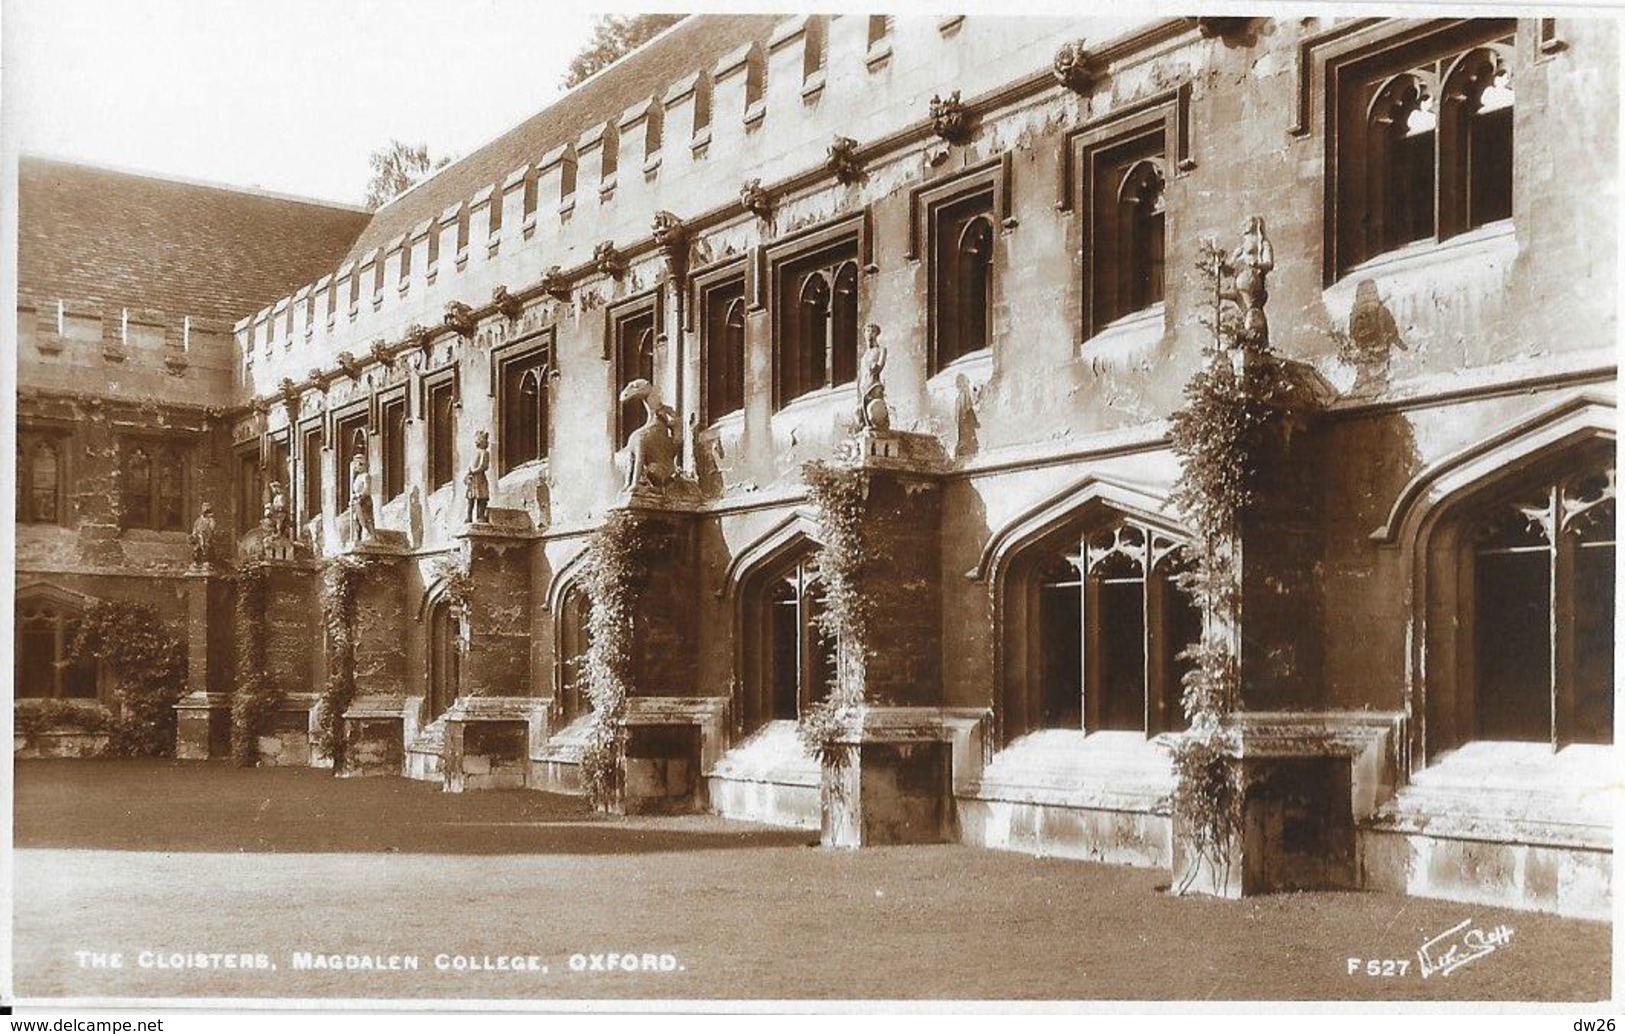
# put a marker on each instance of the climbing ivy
(257, 695)
(1234, 406)
(37, 716)
(838, 495)
(619, 560)
(340, 576)
(149, 663)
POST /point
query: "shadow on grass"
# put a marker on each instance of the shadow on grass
(180, 806)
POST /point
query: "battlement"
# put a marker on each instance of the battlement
(766, 112)
(58, 338)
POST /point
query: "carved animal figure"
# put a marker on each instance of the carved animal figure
(203, 535)
(652, 449)
(872, 409)
(1252, 262)
(276, 509)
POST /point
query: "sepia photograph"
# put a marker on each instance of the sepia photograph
(553, 510)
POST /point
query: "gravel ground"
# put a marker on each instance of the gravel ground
(133, 857)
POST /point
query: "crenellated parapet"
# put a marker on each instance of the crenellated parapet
(70, 344)
(823, 83)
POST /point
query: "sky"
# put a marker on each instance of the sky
(288, 96)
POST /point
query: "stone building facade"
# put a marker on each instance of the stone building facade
(1017, 205)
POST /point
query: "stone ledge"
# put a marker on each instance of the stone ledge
(501, 523)
(567, 745)
(1376, 743)
(382, 706)
(880, 724)
(900, 452)
(1066, 768)
(1497, 829)
(675, 710)
(495, 709)
(1128, 801)
(681, 496)
(772, 754)
(1510, 792)
(1288, 734)
(202, 701)
(59, 743)
(384, 542)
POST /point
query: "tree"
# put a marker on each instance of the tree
(395, 168)
(613, 37)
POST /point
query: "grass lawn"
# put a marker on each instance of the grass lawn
(132, 857)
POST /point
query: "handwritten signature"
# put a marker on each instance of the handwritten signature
(1460, 945)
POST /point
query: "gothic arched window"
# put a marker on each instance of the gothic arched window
(812, 335)
(445, 658)
(137, 495)
(1125, 242)
(816, 324)
(1542, 613)
(1476, 136)
(523, 398)
(44, 647)
(1106, 624)
(574, 637)
(633, 333)
(40, 479)
(843, 326)
(1424, 148)
(1403, 124)
(170, 491)
(786, 661)
(724, 348)
(961, 277)
(440, 399)
(1141, 197)
(800, 660)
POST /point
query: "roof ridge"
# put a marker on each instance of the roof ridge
(190, 181)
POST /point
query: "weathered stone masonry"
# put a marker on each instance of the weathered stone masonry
(590, 241)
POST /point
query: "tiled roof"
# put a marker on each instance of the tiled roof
(693, 44)
(126, 240)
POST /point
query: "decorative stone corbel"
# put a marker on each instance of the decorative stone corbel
(290, 397)
(1077, 69)
(554, 285)
(1227, 29)
(754, 198)
(842, 160)
(349, 364)
(671, 237)
(507, 303)
(421, 338)
(460, 318)
(607, 261)
(381, 353)
(950, 119)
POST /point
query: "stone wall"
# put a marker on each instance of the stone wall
(1426, 354)
(380, 629)
(498, 659)
(663, 643)
(293, 627)
(903, 538)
